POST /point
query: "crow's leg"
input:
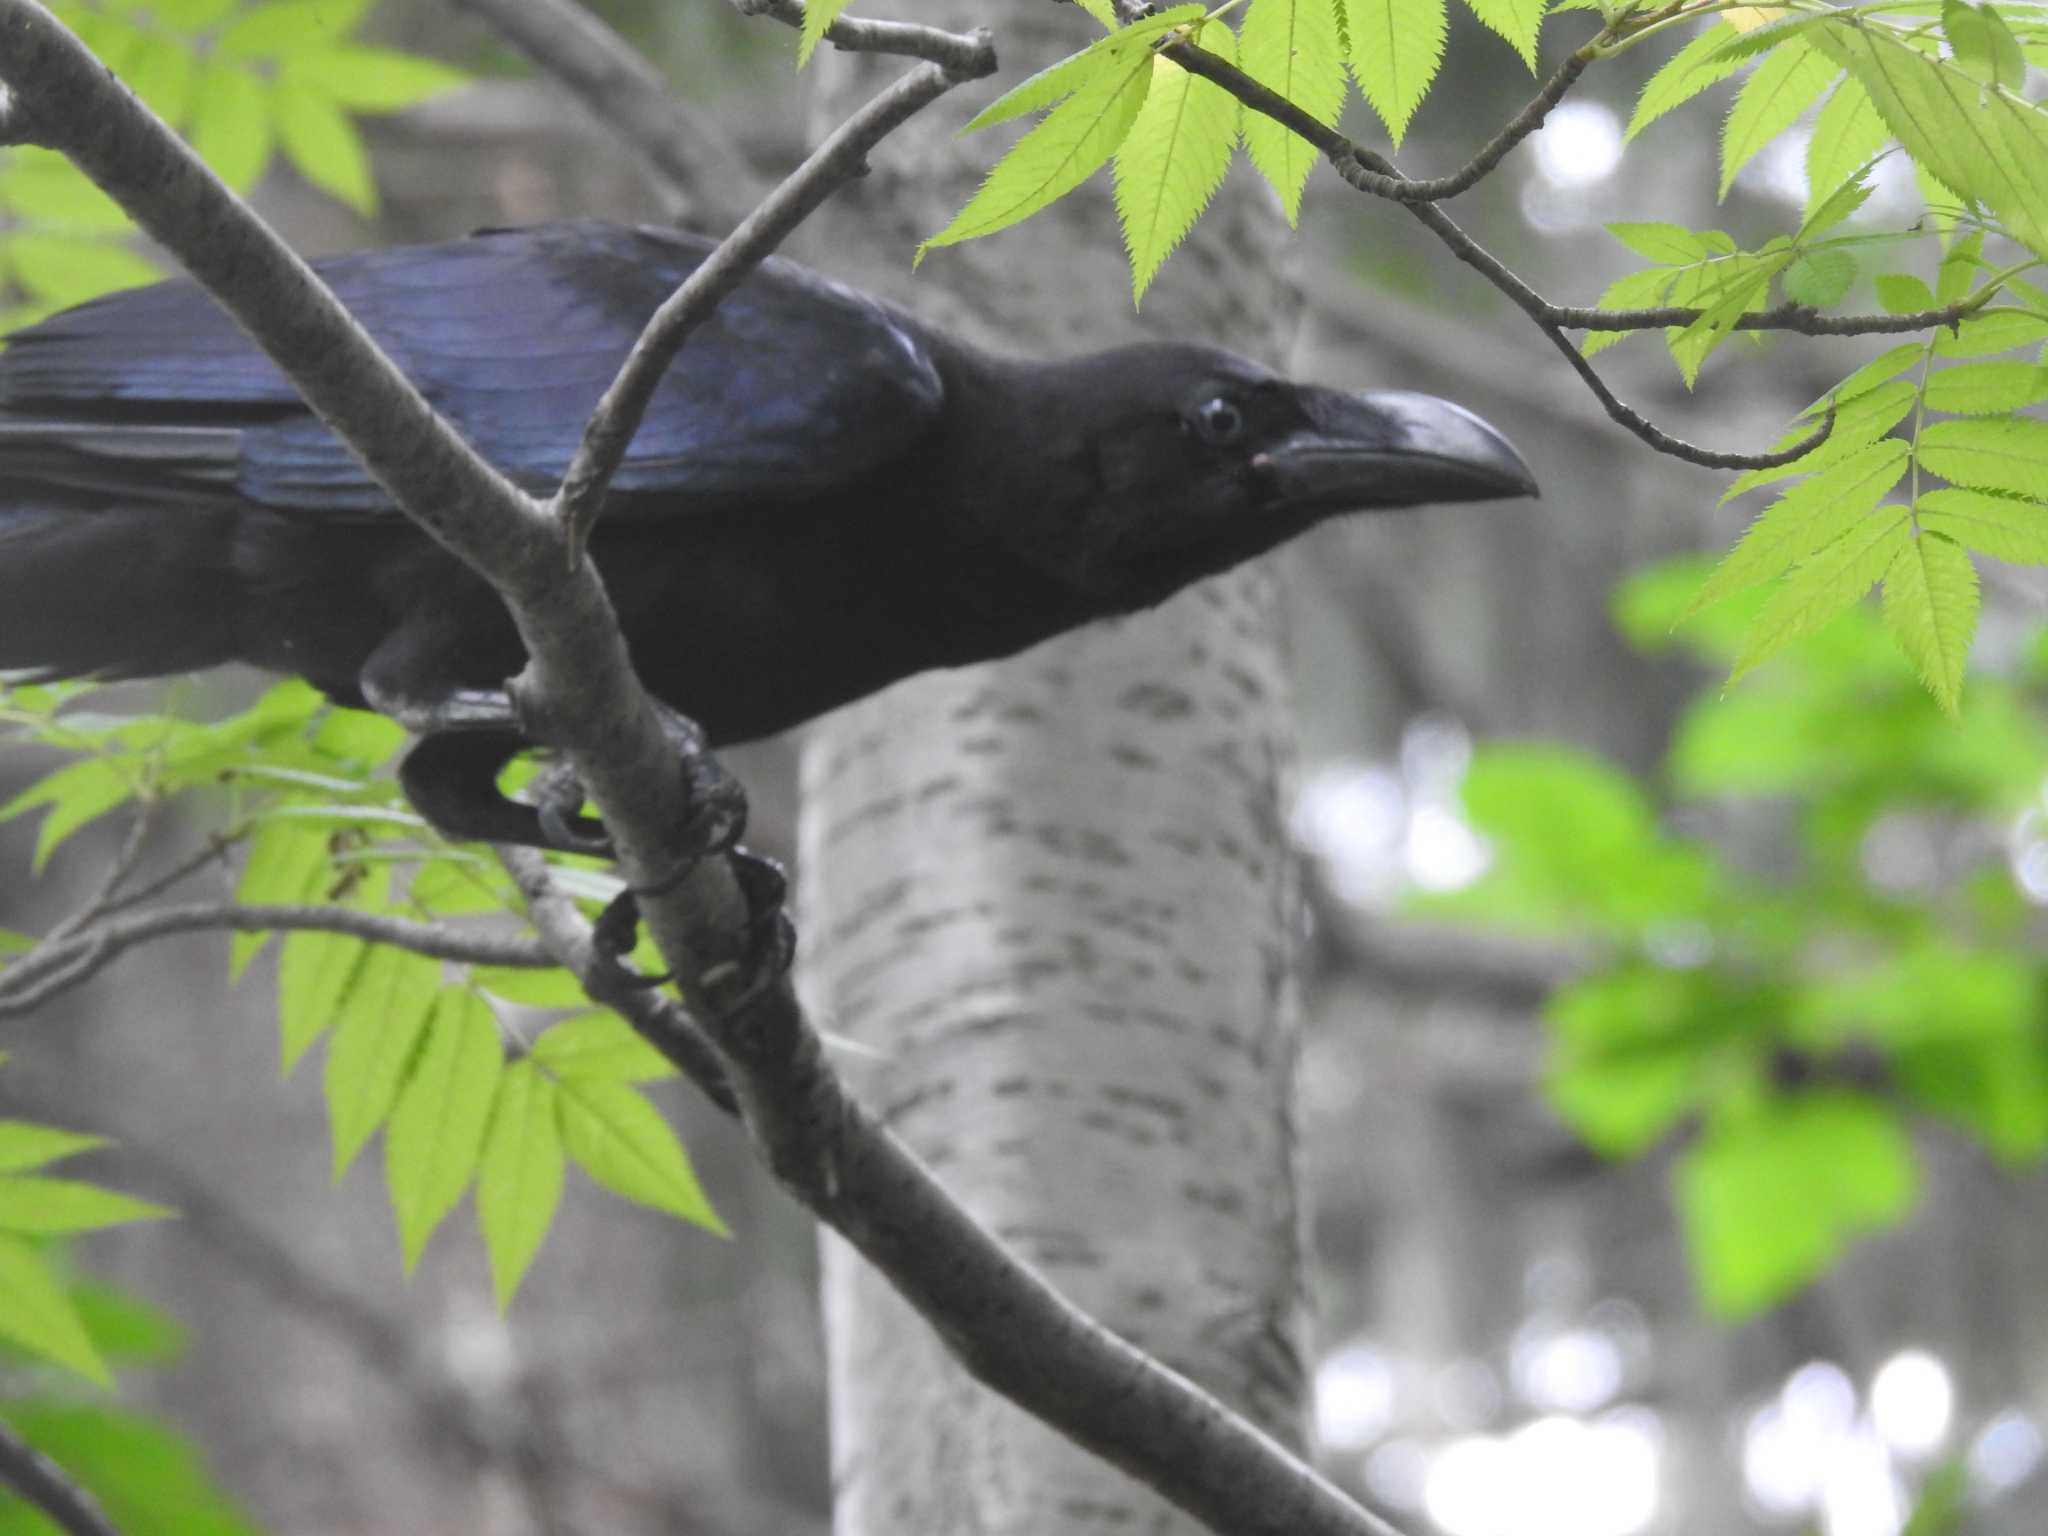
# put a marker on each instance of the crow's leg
(771, 937)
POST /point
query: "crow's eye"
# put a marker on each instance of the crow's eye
(1219, 421)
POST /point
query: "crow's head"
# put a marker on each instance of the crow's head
(1195, 460)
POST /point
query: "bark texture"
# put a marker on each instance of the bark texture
(1050, 900)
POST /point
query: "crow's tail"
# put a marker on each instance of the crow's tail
(85, 592)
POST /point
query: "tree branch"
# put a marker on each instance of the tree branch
(74, 955)
(44, 1485)
(618, 87)
(960, 52)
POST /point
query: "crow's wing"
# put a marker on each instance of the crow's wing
(794, 385)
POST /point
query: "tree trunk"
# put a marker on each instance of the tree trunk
(1051, 901)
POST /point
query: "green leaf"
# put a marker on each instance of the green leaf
(1986, 389)
(1672, 244)
(1846, 134)
(63, 269)
(1983, 46)
(818, 18)
(1055, 157)
(1734, 287)
(1824, 585)
(37, 1314)
(536, 987)
(362, 79)
(285, 27)
(519, 1178)
(1789, 80)
(1396, 49)
(1993, 453)
(621, 1141)
(126, 1328)
(1172, 161)
(286, 865)
(162, 71)
(25, 1144)
(192, 15)
(77, 793)
(1628, 1048)
(1635, 290)
(1293, 47)
(376, 1036)
(146, 1477)
(1860, 420)
(2002, 527)
(44, 1207)
(1980, 335)
(437, 1129)
(1820, 278)
(1901, 293)
(1688, 72)
(314, 973)
(323, 145)
(231, 124)
(1958, 267)
(1518, 21)
(1982, 142)
(42, 185)
(1930, 606)
(1806, 519)
(1058, 81)
(1769, 1200)
(600, 1045)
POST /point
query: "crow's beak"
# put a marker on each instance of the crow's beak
(1389, 448)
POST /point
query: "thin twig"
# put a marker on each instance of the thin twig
(840, 159)
(962, 53)
(64, 961)
(44, 1485)
(687, 155)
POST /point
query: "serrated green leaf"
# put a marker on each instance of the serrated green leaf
(1981, 142)
(1883, 368)
(362, 79)
(1172, 161)
(1820, 278)
(25, 1144)
(600, 1045)
(77, 793)
(41, 185)
(613, 1134)
(1958, 267)
(1982, 45)
(1860, 420)
(1824, 585)
(231, 126)
(162, 71)
(1901, 293)
(37, 1314)
(1806, 519)
(1846, 134)
(2003, 527)
(1992, 453)
(1055, 157)
(1785, 84)
(1293, 47)
(1643, 290)
(519, 1176)
(285, 27)
(1985, 389)
(1839, 205)
(376, 1037)
(1688, 72)
(818, 18)
(1725, 293)
(323, 146)
(1769, 1200)
(1930, 606)
(1060, 80)
(286, 864)
(437, 1129)
(1396, 48)
(43, 1207)
(1671, 244)
(314, 973)
(534, 987)
(1518, 21)
(1103, 11)
(1980, 335)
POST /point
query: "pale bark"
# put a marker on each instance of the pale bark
(1053, 899)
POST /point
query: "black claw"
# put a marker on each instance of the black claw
(558, 805)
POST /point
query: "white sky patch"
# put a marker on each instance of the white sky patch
(2006, 1452)
(1557, 1476)
(1579, 144)
(1354, 1397)
(1912, 1402)
(1354, 819)
(1572, 1370)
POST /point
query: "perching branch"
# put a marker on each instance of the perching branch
(76, 953)
(960, 52)
(44, 1485)
(840, 159)
(1009, 1328)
